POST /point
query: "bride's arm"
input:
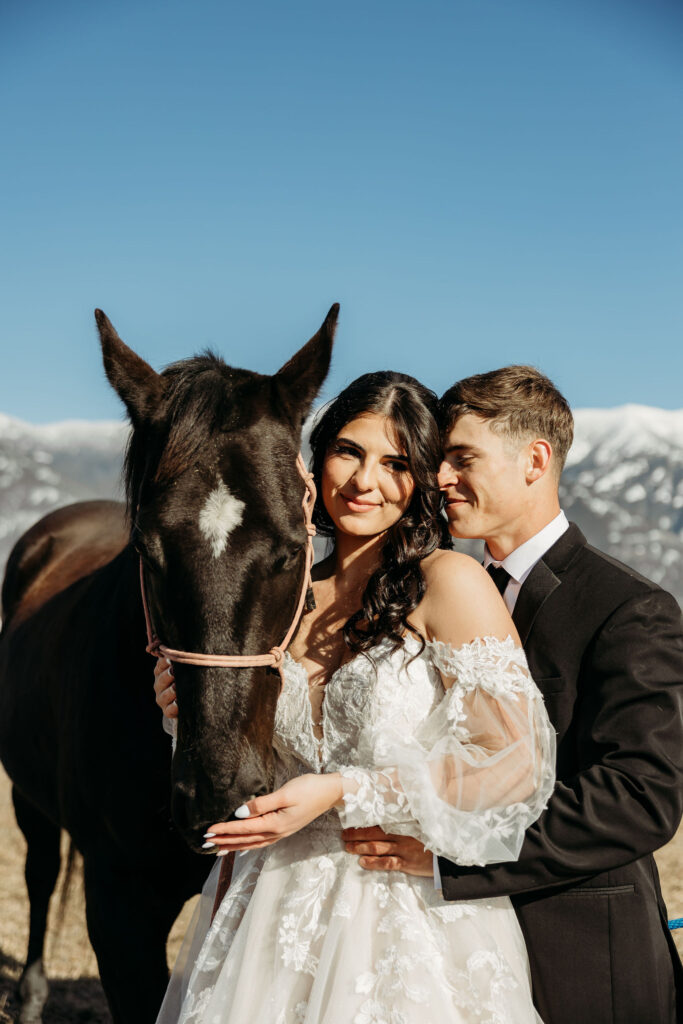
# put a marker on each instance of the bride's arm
(480, 768)
(464, 615)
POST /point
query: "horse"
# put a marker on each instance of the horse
(214, 516)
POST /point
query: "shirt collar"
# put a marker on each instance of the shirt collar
(521, 561)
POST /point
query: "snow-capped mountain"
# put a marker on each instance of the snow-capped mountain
(43, 467)
(623, 483)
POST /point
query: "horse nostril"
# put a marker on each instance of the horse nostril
(253, 786)
(182, 803)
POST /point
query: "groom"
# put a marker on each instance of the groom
(606, 649)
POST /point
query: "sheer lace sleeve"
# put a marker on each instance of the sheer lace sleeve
(476, 773)
(170, 726)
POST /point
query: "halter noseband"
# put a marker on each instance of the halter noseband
(274, 657)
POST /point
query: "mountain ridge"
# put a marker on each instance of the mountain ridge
(622, 484)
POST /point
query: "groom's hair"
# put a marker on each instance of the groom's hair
(520, 401)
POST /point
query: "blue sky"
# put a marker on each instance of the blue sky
(478, 182)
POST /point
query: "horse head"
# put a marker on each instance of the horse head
(215, 507)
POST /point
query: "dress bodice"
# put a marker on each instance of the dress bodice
(385, 689)
(465, 767)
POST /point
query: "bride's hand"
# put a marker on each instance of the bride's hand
(164, 687)
(266, 819)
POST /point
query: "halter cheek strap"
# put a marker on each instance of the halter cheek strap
(274, 657)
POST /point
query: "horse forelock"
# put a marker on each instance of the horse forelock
(203, 399)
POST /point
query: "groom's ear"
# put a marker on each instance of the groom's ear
(539, 459)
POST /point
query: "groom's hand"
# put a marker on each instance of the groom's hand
(381, 852)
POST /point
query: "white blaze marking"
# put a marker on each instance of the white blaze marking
(222, 513)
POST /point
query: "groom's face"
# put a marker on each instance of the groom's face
(483, 479)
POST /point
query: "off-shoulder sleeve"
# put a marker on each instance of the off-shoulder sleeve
(476, 773)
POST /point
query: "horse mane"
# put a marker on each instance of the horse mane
(202, 397)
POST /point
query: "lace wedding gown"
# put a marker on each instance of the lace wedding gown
(304, 935)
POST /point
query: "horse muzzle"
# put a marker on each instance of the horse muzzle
(196, 804)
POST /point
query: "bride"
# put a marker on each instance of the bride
(408, 704)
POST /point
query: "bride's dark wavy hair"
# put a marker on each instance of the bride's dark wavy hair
(397, 586)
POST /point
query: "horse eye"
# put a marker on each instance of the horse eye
(287, 561)
(150, 563)
(146, 550)
(137, 540)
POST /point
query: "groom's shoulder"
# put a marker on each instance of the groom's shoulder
(600, 572)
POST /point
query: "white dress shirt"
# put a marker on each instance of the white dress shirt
(519, 564)
(521, 561)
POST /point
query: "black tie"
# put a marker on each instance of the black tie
(499, 575)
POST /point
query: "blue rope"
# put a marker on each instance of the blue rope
(676, 923)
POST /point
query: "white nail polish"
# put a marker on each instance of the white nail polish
(223, 853)
(242, 811)
(207, 846)
(209, 835)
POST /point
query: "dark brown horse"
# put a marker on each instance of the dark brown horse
(214, 509)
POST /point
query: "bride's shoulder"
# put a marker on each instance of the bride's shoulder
(460, 600)
(450, 570)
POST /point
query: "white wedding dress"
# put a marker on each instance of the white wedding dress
(304, 935)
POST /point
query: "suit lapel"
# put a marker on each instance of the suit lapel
(535, 591)
(544, 578)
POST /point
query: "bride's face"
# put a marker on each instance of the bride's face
(366, 482)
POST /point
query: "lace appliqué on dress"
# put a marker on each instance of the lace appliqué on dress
(471, 777)
(308, 909)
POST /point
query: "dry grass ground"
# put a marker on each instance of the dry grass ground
(75, 992)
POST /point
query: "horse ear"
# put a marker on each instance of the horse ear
(300, 379)
(134, 380)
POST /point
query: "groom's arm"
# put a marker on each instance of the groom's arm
(628, 799)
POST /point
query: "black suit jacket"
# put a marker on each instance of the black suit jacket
(605, 647)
